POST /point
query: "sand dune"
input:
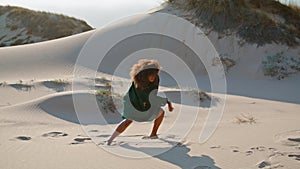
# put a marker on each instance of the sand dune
(40, 127)
(44, 60)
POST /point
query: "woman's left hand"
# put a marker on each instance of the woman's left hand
(171, 108)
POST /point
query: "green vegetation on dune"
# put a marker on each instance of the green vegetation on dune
(44, 25)
(255, 21)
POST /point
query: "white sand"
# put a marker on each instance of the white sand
(39, 128)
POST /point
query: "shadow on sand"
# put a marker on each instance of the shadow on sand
(22, 87)
(63, 107)
(188, 98)
(178, 155)
(58, 87)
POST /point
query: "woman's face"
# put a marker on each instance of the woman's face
(151, 78)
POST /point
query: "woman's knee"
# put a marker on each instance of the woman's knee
(127, 122)
(124, 124)
(161, 113)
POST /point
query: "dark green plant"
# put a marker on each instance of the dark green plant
(250, 19)
(280, 66)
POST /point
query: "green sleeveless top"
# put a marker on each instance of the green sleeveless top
(142, 105)
(143, 100)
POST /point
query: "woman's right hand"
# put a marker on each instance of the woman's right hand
(171, 108)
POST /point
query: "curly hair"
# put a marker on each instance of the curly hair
(142, 70)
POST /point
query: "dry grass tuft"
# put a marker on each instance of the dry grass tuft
(203, 96)
(3, 84)
(107, 99)
(242, 119)
(59, 82)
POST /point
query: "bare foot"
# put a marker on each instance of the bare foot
(150, 137)
(108, 142)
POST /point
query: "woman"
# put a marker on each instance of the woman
(141, 102)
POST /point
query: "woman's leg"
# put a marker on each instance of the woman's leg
(157, 123)
(121, 127)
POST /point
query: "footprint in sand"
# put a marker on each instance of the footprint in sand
(202, 167)
(55, 134)
(296, 156)
(263, 164)
(94, 131)
(289, 138)
(269, 165)
(294, 139)
(259, 148)
(80, 140)
(215, 147)
(272, 149)
(171, 136)
(114, 143)
(104, 135)
(23, 138)
(234, 149)
(253, 149)
(249, 152)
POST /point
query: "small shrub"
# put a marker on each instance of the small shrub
(107, 100)
(60, 82)
(280, 66)
(25, 84)
(226, 62)
(58, 85)
(203, 96)
(3, 84)
(108, 85)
